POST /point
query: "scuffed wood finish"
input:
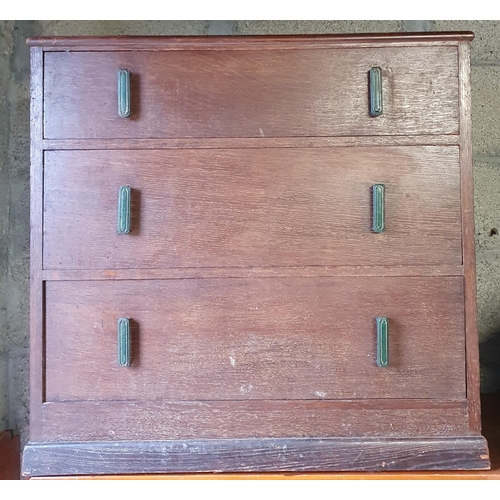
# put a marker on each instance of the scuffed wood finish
(251, 276)
(490, 414)
(36, 241)
(469, 250)
(248, 272)
(289, 338)
(146, 420)
(276, 93)
(255, 455)
(256, 207)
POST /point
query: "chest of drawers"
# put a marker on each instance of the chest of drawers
(252, 254)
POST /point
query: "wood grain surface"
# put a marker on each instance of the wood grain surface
(256, 455)
(468, 238)
(256, 207)
(289, 338)
(253, 142)
(244, 42)
(36, 239)
(147, 420)
(251, 275)
(490, 414)
(275, 93)
(247, 272)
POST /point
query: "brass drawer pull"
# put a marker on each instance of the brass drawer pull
(124, 342)
(376, 107)
(123, 93)
(382, 341)
(124, 209)
(378, 208)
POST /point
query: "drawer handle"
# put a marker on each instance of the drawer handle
(123, 93)
(124, 342)
(376, 108)
(378, 208)
(124, 210)
(382, 341)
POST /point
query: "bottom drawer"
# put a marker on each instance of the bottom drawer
(295, 338)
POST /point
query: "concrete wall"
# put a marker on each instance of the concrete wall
(14, 172)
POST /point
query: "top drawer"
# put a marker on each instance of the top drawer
(251, 93)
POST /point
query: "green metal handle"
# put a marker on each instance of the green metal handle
(124, 209)
(378, 208)
(124, 342)
(123, 93)
(382, 341)
(376, 107)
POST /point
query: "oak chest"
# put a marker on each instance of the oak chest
(252, 254)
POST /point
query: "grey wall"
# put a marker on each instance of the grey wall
(14, 172)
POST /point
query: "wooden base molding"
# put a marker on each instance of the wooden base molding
(262, 455)
(491, 428)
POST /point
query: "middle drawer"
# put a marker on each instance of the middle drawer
(252, 207)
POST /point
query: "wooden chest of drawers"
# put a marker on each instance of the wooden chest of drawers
(252, 254)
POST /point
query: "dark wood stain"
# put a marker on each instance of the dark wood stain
(289, 338)
(468, 245)
(490, 416)
(251, 276)
(257, 207)
(253, 142)
(147, 420)
(244, 42)
(254, 93)
(255, 455)
(247, 272)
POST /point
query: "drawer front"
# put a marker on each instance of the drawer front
(250, 93)
(239, 339)
(253, 207)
